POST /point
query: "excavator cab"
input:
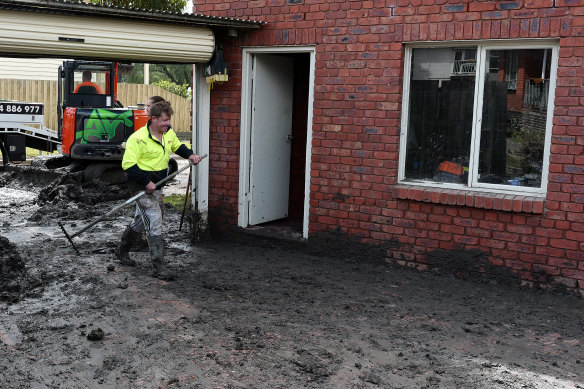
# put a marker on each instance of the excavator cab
(88, 84)
(93, 124)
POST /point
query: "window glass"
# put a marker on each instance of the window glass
(90, 79)
(510, 58)
(514, 121)
(492, 136)
(442, 88)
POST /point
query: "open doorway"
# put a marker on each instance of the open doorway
(276, 118)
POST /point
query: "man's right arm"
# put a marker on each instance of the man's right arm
(132, 155)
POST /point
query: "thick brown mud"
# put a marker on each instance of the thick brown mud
(248, 312)
(13, 272)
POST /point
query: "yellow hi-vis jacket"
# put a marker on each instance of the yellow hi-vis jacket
(146, 159)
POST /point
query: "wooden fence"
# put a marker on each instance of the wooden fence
(132, 94)
(34, 91)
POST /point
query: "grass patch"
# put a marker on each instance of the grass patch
(176, 200)
(32, 153)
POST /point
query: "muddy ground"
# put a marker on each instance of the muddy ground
(252, 312)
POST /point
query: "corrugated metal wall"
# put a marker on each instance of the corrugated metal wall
(29, 68)
(74, 36)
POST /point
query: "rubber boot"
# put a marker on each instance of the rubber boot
(156, 247)
(123, 254)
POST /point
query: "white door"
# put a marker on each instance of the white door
(271, 129)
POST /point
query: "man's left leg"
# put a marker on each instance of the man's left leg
(151, 212)
(156, 246)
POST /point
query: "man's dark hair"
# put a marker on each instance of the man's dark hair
(86, 75)
(161, 107)
(156, 99)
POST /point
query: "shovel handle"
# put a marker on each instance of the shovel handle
(127, 202)
(171, 176)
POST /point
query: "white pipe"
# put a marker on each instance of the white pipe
(545, 51)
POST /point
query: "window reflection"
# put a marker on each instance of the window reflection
(514, 117)
(441, 111)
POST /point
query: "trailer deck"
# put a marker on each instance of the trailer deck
(22, 126)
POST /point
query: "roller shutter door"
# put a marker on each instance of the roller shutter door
(72, 36)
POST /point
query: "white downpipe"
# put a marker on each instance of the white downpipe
(200, 138)
(146, 74)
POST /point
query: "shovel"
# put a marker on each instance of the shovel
(118, 207)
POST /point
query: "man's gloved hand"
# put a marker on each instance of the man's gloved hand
(195, 159)
(150, 187)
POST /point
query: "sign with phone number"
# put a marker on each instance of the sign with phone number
(21, 108)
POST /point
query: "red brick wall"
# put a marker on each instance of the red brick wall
(224, 139)
(357, 110)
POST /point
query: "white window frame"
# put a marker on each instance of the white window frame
(511, 70)
(482, 47)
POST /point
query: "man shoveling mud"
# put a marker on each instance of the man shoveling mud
(146, 162)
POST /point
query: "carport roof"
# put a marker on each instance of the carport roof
(81, 8)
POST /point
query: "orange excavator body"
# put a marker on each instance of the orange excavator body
(94, 126)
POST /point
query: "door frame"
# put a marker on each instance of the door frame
(200, 122)
(245, 133)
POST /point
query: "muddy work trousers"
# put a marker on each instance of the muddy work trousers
(149, 211)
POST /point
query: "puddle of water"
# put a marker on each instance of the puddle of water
(186, 247)
(20, 232)
(10, 196)
(12, 217)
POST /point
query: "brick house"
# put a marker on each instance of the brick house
(450, 133)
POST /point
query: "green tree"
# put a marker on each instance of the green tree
(177, 74)
(171, 77)
(174, 78)
(181, 90)
(132, 73)
(163, 5)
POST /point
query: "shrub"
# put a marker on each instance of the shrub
(181, 90)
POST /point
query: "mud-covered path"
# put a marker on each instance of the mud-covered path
(253, 313)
